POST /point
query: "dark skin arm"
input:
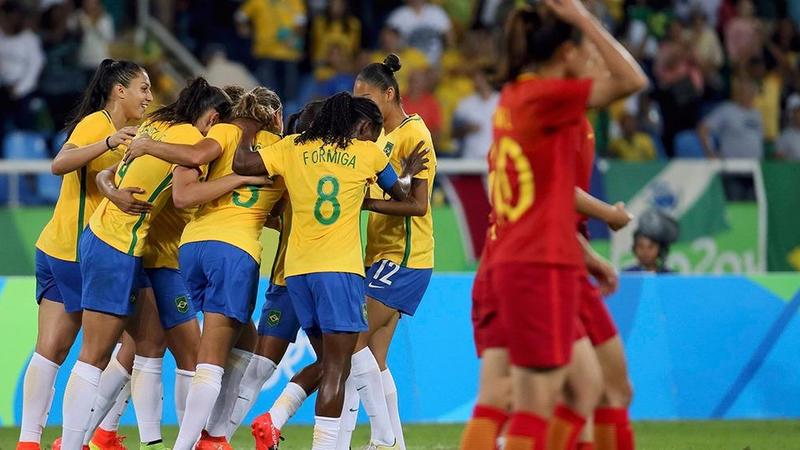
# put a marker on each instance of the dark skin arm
(273, 220)
(407, 200)
(245, 161)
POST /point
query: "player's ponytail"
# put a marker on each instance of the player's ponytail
(259, 104)
(533, 34)
(193, 101)
(381, 75)
(108, 74)
(234, 92)
(335, 123)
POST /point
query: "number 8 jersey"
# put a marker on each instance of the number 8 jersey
(326, 186)
(537, 137)
(236, 218)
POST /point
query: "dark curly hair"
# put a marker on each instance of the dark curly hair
(336, 121)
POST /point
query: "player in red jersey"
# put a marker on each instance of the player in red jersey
(536, 259)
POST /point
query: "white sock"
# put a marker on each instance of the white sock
(326, 431)
(235, 367)
(390, 390)
(37, 395)
(203, 393)
(367, 377)
(147, 391)
(111, 421)
(183, 380)
(290, 400)
(113, 379)
(79, 397)
(258, 372)
(349, 415)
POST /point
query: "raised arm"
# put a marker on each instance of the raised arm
(189, 191)
(123, 198)
(626, 77)
(72, 157)
(196, 155)
(614, 215)
(246, 161)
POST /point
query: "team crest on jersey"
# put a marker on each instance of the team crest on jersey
(182, 304)
(388, 148)
(273, 317)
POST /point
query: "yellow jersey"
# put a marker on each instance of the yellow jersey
(406, 241)
(161, 249)
(326, 187)
(128, 233)
(236, 218)
(274, 23)
(278, 276)
(79, 196)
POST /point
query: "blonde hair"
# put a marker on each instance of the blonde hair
(260, 104)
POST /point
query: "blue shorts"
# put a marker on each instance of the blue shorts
(172, 299)
(278, 318)
(397, 287)
(332, 301)
(221, 278)
(59, 281)
(111, 278)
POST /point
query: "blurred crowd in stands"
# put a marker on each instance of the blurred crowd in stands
(725, 74)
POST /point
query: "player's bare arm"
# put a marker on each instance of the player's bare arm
(195, 155)
(122, 198)
(72, 157)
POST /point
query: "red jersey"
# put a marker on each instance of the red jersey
(538, 129)
(585, 166)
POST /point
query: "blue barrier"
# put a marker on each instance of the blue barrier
(698, 347)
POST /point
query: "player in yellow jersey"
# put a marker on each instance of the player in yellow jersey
(326, 170)
(111, 251)
(118, 93)
(279, 325)
(399, 258)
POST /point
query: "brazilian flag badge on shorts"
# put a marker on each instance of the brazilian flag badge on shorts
(364, 311)
(273, 317)
(182, 304)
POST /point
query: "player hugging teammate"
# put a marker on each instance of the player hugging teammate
(536, 315)
(153, 226)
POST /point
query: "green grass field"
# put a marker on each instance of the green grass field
(716, 435)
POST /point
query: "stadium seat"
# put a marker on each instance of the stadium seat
(19, 145)
(57, 141)
(688, 145)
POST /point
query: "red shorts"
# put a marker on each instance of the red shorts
(486, 325)
(593, 313)
(538, 306)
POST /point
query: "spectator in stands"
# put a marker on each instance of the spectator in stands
(654, 234)
(789, 141)
(783, 49)
(768, 96)
(472, 120)
(97, 30)
(336, 25)
(21, 62)
(62, 79)
(221, 71)
(742, 36)
(424, 26)
(419, 99)
(336, 74)
(277, 29)
(391, 41)
(737, 125)
(707, 49)
(633, 144)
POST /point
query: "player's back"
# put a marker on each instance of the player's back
(238, 216)
(326, 186)
(537, 136)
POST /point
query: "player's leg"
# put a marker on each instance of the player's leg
(379, 345)
(330, 398)
(58, 291)
(147, 388)
(110, 402)
(494, 401)
(584, 386)
(367, 375)
(220, 333)
(100, 335)
(613, 429)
